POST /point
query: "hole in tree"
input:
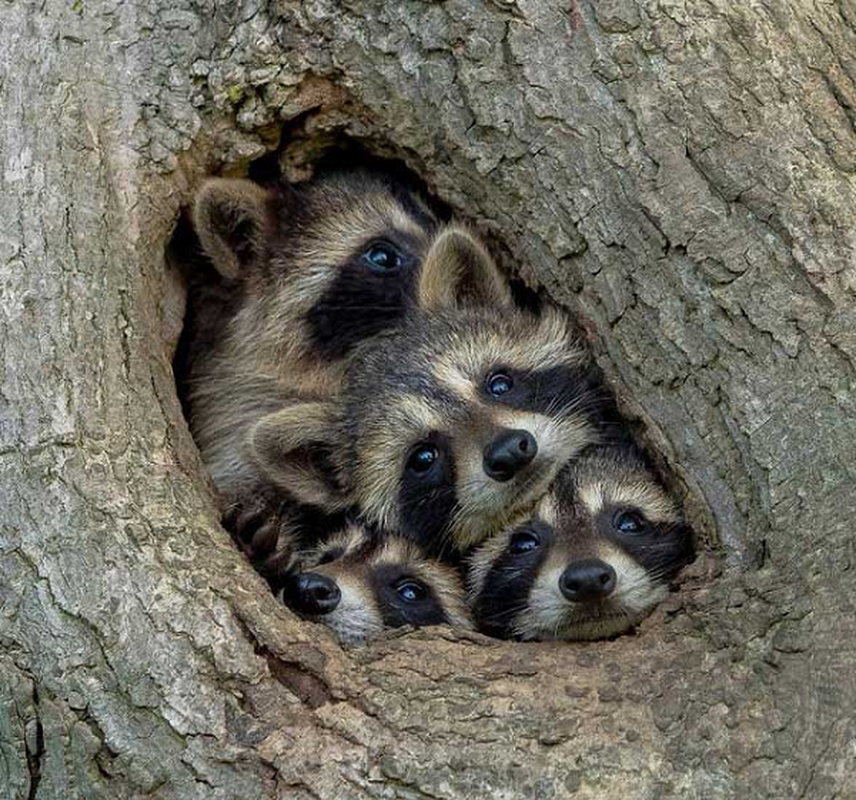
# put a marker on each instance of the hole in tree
(214, 298)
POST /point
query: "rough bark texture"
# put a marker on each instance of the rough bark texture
(679, 173)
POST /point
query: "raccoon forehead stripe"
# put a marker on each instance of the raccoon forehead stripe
(459, 381)
(544, 347)
(336, 236)
(647, 497)
(552, 344)
(396, 550)
(411, 412)
(547, 509)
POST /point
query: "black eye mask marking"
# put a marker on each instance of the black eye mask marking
(661, 548)
(369, 294)
(506, 587)
(390, 583)
(331, 555)
(427, 498)
(554, 391)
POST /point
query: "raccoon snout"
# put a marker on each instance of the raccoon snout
(315, 595)
(590, 579)
(506, 455)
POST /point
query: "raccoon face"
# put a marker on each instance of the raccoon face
(359, 584)
(593, 560)
(447, 429)
(451, 330)
(314, 269)
(462, 421)
(325, 264)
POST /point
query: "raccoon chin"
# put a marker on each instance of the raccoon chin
(568, 624)
(498, 505)
(354, 621)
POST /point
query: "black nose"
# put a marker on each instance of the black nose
(506, 455)
(314, 595)
(590, 579)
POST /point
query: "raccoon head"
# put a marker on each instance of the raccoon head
(448, 429)
(593, 560)
(360, 583)
(320, 267)
(462, 421)
(324, 264)
(449, 347)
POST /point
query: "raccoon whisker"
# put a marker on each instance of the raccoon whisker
(568, 403)
(503, 613)
(657, 572)
(632, 584)
(557, 626)
(446, 545)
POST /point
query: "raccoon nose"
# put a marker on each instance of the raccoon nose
(590, 579)
(506, 455)
(315, 595)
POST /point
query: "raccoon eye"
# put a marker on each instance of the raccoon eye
(422, 458)
(499, 384)
(629, 522)
(382, 257)
(411, 591)
(524, 542)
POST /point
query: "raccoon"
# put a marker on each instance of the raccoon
(453, 424)
(361, 582)
(593, 560)
(306, 273)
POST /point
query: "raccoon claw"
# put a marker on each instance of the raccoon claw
(263, 529)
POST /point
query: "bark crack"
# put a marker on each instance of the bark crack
(35, 747)
(311, 690)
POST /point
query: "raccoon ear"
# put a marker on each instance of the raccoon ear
(292, 445)
(231, 218)
(458, 269)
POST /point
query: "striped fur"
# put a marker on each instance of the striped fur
(516, 592)
(306, 275)
(371, 571)
(425, 383)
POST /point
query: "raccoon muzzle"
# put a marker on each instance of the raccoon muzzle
(509, 453)
(587, 580)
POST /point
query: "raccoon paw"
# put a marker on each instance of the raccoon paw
(264, 528)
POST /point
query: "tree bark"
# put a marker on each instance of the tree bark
(679, 174)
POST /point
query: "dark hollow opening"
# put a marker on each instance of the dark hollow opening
(208, 290)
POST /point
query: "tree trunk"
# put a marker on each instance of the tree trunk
(680, 174)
